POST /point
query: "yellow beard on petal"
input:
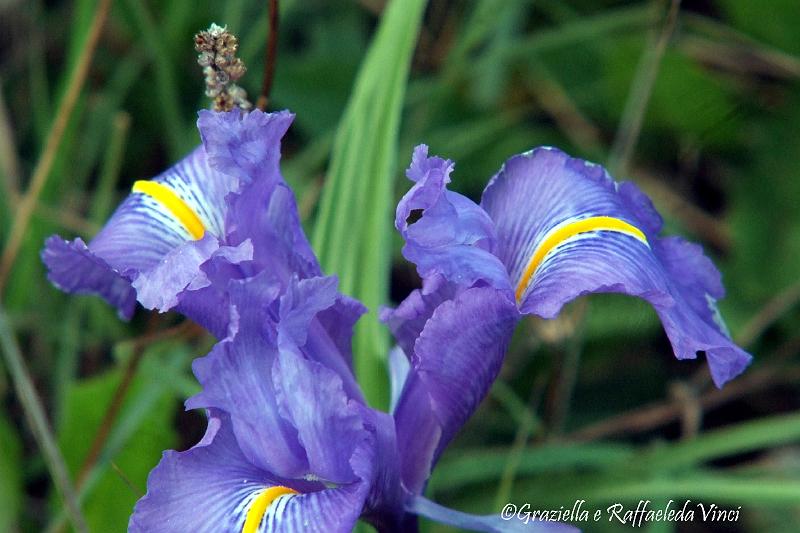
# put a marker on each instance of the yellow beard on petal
(174, 204)
(566, 232)
(258, 507)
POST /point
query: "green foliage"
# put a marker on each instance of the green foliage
(142, 431)
(10, 475)
(352, 230)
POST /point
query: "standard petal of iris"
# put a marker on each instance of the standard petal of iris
(454, 237)
(246, 146)
(237, 378)
(310, 317)
(329, 427)
(565, 229)
(456, 358)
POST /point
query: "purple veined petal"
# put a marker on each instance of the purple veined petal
(245, 146)
(695, 323)
(334, 510)
(206, 300)
(407, 320)
(266, 212)
(73, 268)
(159, 286)
(212, 487)
(456, 358)
(490, 523)
(310, 317)
(301, 303)
(180, 278)
(454, 236)
(544, 190)
(329, 427)
(565, 229)
(419, 434)
(237, 378)
(208, 488)
(159, 216)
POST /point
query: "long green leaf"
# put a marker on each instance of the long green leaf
(353, 230)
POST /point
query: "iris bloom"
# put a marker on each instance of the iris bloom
(289, 445)
(549, 228)
(223, 212)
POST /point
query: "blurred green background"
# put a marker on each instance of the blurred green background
(699, 106)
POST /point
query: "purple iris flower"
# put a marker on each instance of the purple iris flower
(549, 228)
(223, 212)
(290, 446)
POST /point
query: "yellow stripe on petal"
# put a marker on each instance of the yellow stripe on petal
(258, 507)
(568, 231)
(174, 204)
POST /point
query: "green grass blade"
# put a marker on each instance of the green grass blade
(353, 229)
(39, 425)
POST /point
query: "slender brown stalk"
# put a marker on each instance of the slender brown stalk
(641, 90)
(38, 423)
(658, 414)
(773, 310)
(186, 329)
(270, 57)
(43, 167)
(8, 154)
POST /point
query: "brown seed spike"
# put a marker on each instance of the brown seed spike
(221, 68)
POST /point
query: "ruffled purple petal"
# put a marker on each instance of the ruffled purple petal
(311, 398)
(159, 287)
(205, 489)
(73, 268)
(301, 303)
(408, 319)
(139, 235)
(246, 146)
(454, 237)
(211, 487)
(489, 523)
(237, 378)
(328, 342)
(309, 317)
(538, 194)
(456, 358)
(695, 323)
(142, 230)
(206, 300)
(272, 410)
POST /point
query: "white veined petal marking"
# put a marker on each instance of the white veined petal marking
(561, 234)
(173, 204)
(261, 503)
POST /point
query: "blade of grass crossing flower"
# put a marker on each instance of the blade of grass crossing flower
(353, 228)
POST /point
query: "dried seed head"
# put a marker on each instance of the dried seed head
(221, 68)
